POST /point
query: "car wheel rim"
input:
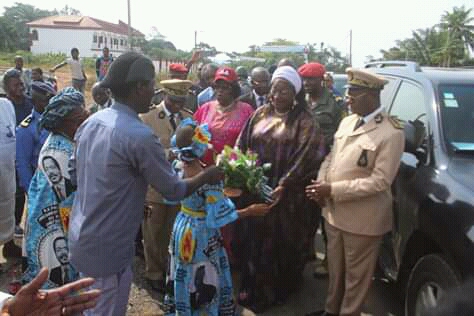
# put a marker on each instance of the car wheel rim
(428, 297)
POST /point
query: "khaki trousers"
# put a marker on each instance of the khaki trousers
(157, 226)
(351, 264)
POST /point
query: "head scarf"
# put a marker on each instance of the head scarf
(289, 74)
(199, 145)
(59, 107)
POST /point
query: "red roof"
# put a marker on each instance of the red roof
(82, 22)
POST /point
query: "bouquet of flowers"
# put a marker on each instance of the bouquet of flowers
(243, 172)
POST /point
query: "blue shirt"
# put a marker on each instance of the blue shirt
(22, 110)
(116, 157)
(29, 141)
(205, 96)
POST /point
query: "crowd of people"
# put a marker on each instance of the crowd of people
(141, 163)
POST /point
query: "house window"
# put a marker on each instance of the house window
(34, 35)
(94, 39)
(121, 42)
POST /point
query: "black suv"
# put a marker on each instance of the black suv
(431, 246)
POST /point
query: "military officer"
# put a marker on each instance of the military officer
(353, 186)
(321, 101)
(29, 138)
(159, 214)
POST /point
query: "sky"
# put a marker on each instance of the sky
(235, 25)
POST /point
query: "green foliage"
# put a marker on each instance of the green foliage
(242, 171)
(446, 44)
(329, 56)
(13, 30)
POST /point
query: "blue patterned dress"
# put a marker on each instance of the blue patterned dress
(50, 198)
(199, 281)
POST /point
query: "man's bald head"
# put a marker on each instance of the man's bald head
(286, 62)
(260, 79)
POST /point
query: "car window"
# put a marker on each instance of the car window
(409, 103)
(457, 115)
(387, 91)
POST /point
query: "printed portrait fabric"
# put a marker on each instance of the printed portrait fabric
(50, 198)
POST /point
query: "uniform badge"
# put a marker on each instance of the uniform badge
(162, 115)
(26, 122)
(378, 118)
(396, 122)
(363, 160)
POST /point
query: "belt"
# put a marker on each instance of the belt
(193, 213)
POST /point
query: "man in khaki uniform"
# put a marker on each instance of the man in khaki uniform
(353, 186)
(159, 214)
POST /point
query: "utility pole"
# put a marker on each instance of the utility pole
(350, 48)
(195, 38)
(129, 27)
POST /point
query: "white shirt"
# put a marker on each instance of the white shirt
(258, 97)
(76, 68)
(7, 170)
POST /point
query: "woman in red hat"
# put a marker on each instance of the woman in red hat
(226, 115)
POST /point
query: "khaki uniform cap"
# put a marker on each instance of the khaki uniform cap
(357, 78)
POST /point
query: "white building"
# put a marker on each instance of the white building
(58, 34)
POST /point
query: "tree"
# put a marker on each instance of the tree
(460, 30)
(13, 30)
(447, 43)
(67, 10)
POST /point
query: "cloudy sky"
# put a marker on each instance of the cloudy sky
(235, 25)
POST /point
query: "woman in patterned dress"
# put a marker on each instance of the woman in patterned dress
(284, 134)
(199, 281)
(51, 192)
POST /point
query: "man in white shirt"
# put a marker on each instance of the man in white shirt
(78, 74)
(7, 170)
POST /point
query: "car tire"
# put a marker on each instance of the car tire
(431, 276)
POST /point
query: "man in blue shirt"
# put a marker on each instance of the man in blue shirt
(15, 91)
(29, 139)
(208, 72)
(116, 157)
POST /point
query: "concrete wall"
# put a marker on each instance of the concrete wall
(62, 40)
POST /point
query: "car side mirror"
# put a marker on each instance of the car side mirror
(415, 134)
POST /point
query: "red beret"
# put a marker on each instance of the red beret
(178, 68)
(312, 70)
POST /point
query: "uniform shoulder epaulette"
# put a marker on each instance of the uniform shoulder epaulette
(396, 122)
(26, 122)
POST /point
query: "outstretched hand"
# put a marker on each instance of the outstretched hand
(214, 175)
(258, 209)
(65, 300)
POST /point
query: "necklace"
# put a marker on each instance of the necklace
(281, 113)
